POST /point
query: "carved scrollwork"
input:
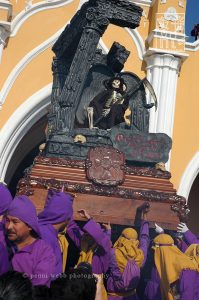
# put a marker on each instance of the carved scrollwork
(24, 187)
(55, 161)
(147, 171)
(85, 164)
(180, 207)
(95, 189)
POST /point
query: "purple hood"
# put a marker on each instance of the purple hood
(21, 207)
(58, 208)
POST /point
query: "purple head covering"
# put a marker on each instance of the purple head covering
(58, 208)
(5, 198)
(21, 207)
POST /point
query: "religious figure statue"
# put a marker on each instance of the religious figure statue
(107, 109)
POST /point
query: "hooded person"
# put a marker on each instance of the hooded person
(177, 236)
(174, 273)
(32, 255)
(94, 244)
(5, 200)
(53, 220)
(188, 236)
(128, 256)
(193, 252)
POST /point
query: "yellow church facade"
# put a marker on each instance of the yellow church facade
(159, 51)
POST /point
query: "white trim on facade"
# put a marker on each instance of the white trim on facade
(26, 115)
(142, 2)
(189, 176)
(168, 35)
(192, 46)
(182, 55)
(138, 42)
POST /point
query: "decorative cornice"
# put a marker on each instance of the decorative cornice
(80, 164)
(150, 51)
(150, 195)
(148, 172)
(163, 34)
(61, 162)
(181, 209)
(162, 60)
(142, 2)
(192, 46)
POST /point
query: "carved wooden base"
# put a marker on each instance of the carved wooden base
(116, 203)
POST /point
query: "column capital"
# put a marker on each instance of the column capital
(163, 60)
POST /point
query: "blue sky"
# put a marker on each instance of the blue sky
(192, 17)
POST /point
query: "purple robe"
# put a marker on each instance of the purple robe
(182, 246)
(50, 235)
(152, 290)
(188, 286)
(108, 232)
(129, 279)
(2, 234)
(5, 198)
(101, 256)
(190, 238)
(58, 209)
(4, 261)
(37, 261)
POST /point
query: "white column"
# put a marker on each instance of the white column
(162, 72)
